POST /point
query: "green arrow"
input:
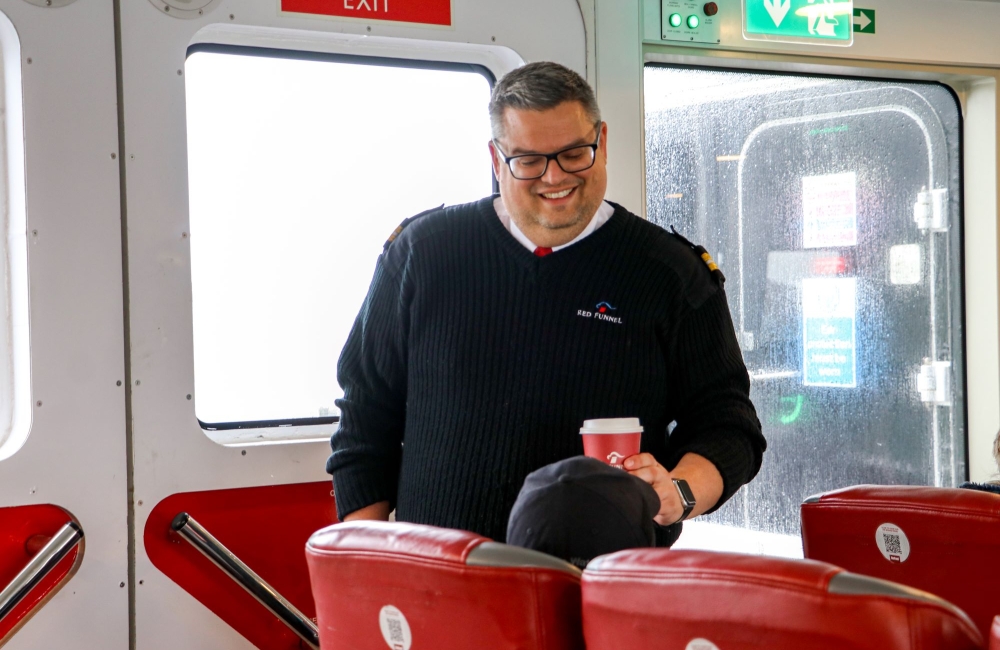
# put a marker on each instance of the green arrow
(864, 21)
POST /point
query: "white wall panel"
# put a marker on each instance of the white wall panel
(74, 456)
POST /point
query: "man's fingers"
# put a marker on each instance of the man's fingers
(640, 460)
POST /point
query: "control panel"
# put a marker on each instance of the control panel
(691, 21)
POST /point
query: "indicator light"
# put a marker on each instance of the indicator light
(694, 22)
(711, 9)
(675, 20)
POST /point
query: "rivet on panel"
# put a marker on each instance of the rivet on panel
(118, 383)
(121, 584)
(232, 16)
(114, 156)
(167, 9)
(184, 235)
(142, 582)
(137, 382)
(368, 28)
(180, 72)
(38, 403)
(29, 60)
(493, 38)
(140, 502)
(189, 397)
(34, 233)
(243, 453)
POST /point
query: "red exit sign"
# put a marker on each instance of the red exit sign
(423, 12)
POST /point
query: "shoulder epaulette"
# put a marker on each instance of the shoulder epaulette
(703, 254)
(406, 222)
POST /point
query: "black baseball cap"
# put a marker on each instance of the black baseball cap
(579, 508)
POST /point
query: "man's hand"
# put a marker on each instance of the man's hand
(375, 512)
(702, 477)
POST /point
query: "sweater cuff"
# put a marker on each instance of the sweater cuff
(732, 454)
(357, 487)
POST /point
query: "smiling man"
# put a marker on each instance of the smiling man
(492, 330)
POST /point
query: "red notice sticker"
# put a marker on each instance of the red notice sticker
(422, 12)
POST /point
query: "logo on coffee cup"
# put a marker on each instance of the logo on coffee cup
(615, 458)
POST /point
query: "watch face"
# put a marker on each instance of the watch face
(687, 496)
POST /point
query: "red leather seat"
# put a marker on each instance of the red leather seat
(397, 585)
(942, 540)
(995, 634)
(703, 600)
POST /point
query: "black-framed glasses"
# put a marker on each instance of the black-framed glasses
(529, 166)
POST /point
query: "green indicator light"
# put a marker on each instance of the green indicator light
(693, 22)
(675, 20)
(792, 407)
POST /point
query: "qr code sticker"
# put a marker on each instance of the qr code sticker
(892, 544)
(395, 630)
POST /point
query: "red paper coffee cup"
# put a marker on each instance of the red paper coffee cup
(611, 440)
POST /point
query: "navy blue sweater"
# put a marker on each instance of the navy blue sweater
(472, 363)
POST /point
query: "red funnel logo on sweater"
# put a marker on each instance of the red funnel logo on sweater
(601, 312)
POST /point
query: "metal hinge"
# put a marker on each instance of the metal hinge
(931, 210)
(934, 382)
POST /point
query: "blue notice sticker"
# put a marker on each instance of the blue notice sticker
(828, 333)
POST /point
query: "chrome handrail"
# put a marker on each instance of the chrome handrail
(193, 532)
(39, 566)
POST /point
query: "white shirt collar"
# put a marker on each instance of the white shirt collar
(604, 212)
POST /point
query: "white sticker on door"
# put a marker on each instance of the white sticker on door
(830, 210)
(395, 629)
(893, 543)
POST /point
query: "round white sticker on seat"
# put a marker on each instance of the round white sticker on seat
(892, 542)
(701, 644)
(395, 629)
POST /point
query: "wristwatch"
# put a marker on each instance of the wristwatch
(687, 497)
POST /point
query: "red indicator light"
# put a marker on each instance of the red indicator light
(829, 266)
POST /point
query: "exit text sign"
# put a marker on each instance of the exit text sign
(798, 21)
(423, 12)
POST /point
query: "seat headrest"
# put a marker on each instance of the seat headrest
(911, 498)
(735, 601)
(373, 537)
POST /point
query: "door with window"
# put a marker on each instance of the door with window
(270, 154)
(834, 208)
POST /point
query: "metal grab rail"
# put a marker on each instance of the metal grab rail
(39, 566)
(244, 576)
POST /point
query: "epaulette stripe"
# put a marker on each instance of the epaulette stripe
(406, 222)
(713, 268)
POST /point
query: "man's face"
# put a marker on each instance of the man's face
(554, 209)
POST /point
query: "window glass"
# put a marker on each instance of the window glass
(833, 206)
(300, 167)
(15, 368)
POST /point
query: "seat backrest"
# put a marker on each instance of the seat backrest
(942, 540)
(381, 585)
(704, 600)
(995, 634)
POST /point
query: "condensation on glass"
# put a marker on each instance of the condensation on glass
(833, 206)
(15, 374)
(300, 167)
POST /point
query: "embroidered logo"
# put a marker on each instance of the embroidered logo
(601, 312)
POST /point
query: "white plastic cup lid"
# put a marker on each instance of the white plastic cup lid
(611, 425)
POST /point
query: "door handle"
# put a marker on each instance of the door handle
(39, 566)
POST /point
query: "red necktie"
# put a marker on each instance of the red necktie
(541, 251)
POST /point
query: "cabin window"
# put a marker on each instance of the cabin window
(834, 208)
(300, 166)
(15, 375)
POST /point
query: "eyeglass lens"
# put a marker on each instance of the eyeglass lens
(570, 161)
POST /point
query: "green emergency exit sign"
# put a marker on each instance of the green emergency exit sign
(828, 22)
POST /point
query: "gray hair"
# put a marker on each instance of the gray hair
(537, 87)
